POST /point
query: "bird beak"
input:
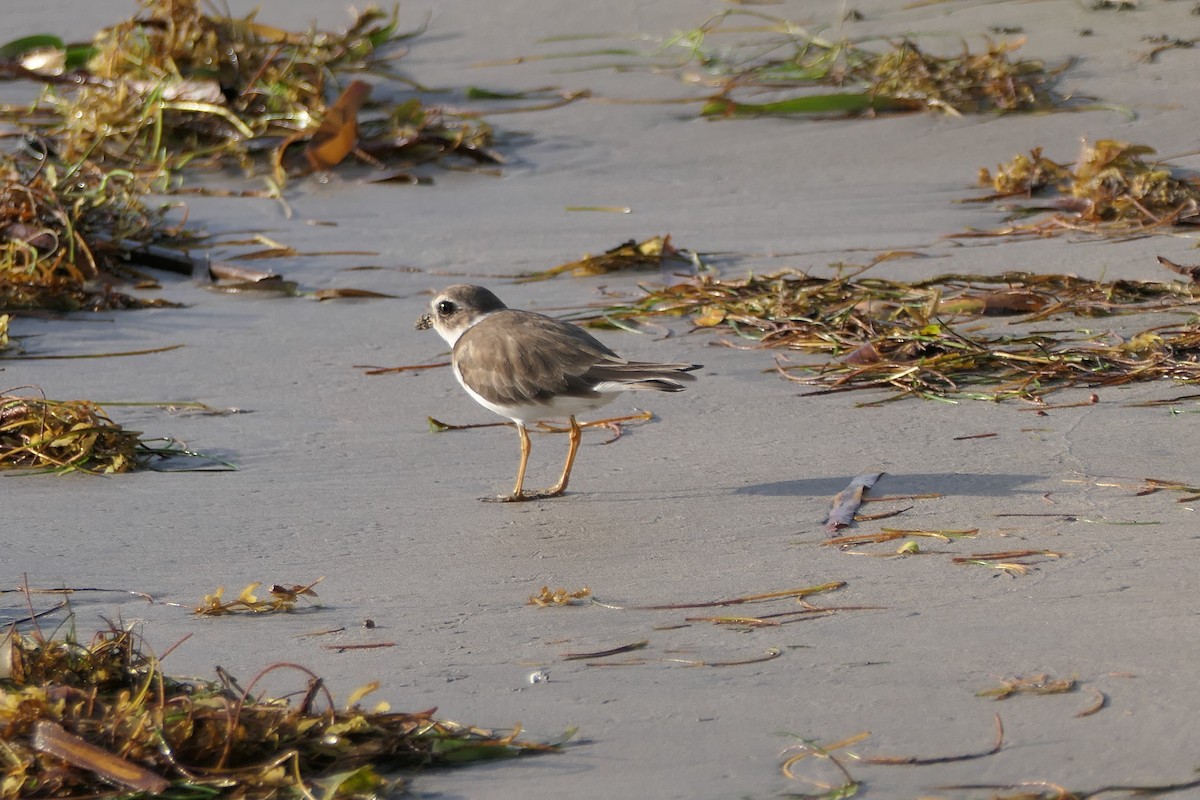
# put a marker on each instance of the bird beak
(425, 322)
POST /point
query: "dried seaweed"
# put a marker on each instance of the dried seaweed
(615, 424)
(63, 435)
(1100, 701)
(1035, 684)
(845, 787)
(892, 534)
(612, 651)
(1046, 790)
(1010, 562)
(78, 717)
(1191, 493)
(75, 435)
(560, 597)
(799, 594)
(912, 338)
(174, 86)
(898, 76)
(654, 253)
(1109, 189)
(64, 226)
(282, 598)
(848, 785)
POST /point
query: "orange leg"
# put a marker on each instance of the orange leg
(576, 437)
(526, 448)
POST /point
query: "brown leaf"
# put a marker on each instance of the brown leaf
(863, 354)
(847, 501)
(337, 136)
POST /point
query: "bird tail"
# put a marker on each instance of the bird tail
(644, 375)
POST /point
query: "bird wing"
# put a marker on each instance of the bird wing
(514, 357)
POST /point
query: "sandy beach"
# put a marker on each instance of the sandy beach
(723, 495)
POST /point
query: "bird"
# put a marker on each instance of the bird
(527, 367)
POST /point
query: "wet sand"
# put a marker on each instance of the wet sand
(723, 495)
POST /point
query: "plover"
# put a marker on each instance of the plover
(528, 367)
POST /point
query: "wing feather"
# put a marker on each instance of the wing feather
(514, 357)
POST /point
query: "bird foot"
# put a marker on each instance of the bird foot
(545, 494)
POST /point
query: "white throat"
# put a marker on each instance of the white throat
(452, 335)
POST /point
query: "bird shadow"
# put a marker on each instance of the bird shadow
(949, 483)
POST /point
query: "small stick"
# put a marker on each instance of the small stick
(625, 648)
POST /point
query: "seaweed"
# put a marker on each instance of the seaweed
(560, 597)
(919, 339)
(76, 436)
(282, 598)
(805, 72)
(1110, 189)
(848, 786)
(901, 78)
(80, 717)
(67, 232)
(174, 86)
(1035, 685)
(656, 252)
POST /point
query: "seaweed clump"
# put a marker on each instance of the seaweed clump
(899, 77)
(914, 338)
(79, 718)
(64, 435)
(968, 83)
(66, 232)
(175, 86)
(78, 436)
(1110, 188)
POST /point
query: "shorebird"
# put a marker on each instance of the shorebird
(527, 367)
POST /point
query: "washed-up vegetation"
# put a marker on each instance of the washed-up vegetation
(66, 232)
(780, 67)
(175, 86)
(120, 117)
(937, 338)
(1034, 685)
(1109, 189)
(77, 436)
(1011, 562)
(801, 758)
(70, 232)
(282, 598)
(1050, 790)
(614, 424)
(102, 718)
(901, 78)
(647, 652)
(655, 253)
(560, 597)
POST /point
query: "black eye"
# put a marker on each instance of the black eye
(445, 308)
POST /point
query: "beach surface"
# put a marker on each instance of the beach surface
(723, 495)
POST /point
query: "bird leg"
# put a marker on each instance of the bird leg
(576, 436)
(526, 448)
(517, 494)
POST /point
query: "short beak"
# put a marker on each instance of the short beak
(425, 322)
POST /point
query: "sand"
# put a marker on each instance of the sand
(723, 495)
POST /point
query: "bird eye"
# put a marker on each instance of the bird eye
(445, 308)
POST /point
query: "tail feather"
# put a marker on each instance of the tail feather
(642, 376)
